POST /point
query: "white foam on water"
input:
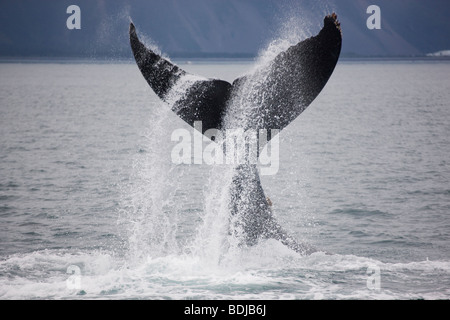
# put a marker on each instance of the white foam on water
(266, 271)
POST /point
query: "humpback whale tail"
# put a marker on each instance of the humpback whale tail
(293, 79)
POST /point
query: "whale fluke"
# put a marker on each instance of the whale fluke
(203, 100)
(295, 78)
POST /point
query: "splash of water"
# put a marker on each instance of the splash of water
(152, 213)
(149, 212)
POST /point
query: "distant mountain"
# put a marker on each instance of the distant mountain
(217, 28)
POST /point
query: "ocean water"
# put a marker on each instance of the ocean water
(92, 207)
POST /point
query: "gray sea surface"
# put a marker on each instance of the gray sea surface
(92, 207)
